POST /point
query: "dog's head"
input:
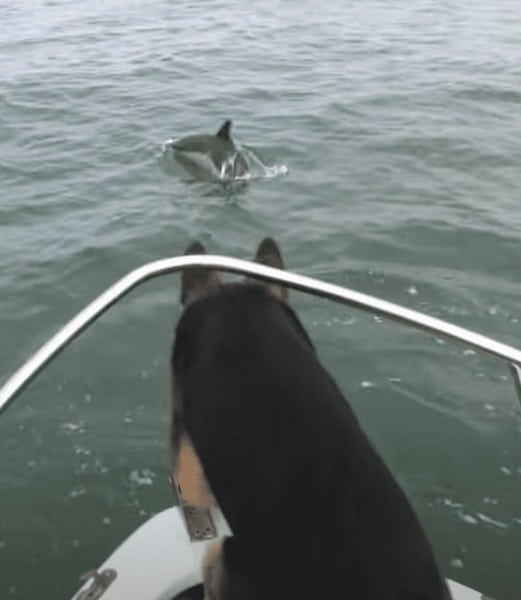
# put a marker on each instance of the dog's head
(198, 283)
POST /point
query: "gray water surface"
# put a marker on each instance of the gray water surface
(400, 124)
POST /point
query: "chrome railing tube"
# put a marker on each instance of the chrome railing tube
(104, 301)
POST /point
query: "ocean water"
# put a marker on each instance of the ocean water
(399, 124)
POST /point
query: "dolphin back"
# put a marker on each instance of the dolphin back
(205, 143)
(195, 143)
(194, 151)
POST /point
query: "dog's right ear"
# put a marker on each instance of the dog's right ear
(197, 282)
(268, 254)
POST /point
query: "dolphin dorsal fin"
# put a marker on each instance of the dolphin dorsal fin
(224, 131)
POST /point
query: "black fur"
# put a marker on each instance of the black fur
(314, 511)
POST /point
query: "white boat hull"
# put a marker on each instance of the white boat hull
(158, 561)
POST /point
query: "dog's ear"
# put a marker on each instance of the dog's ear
(197, 282)
(268, 254)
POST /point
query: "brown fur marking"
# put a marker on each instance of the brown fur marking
(189, 476)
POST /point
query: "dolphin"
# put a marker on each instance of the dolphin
(211, 155)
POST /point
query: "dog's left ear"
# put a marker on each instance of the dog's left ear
(197, 282)
(268, 254)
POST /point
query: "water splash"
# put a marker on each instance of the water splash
(201, 166)
(143, 477)
(257, 169)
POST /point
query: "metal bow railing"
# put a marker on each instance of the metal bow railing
(25, 374)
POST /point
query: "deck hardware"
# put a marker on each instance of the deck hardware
(100, 584)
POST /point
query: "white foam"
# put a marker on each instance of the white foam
(456, 563)
(493, 501)
(468, 519)
(490, 521)
(77, 492)
(142, 478)
(367, 384)
(79, 427)
(167, 145)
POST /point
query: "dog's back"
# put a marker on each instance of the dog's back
(314, 511)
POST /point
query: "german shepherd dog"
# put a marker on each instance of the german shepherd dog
(260, 426)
